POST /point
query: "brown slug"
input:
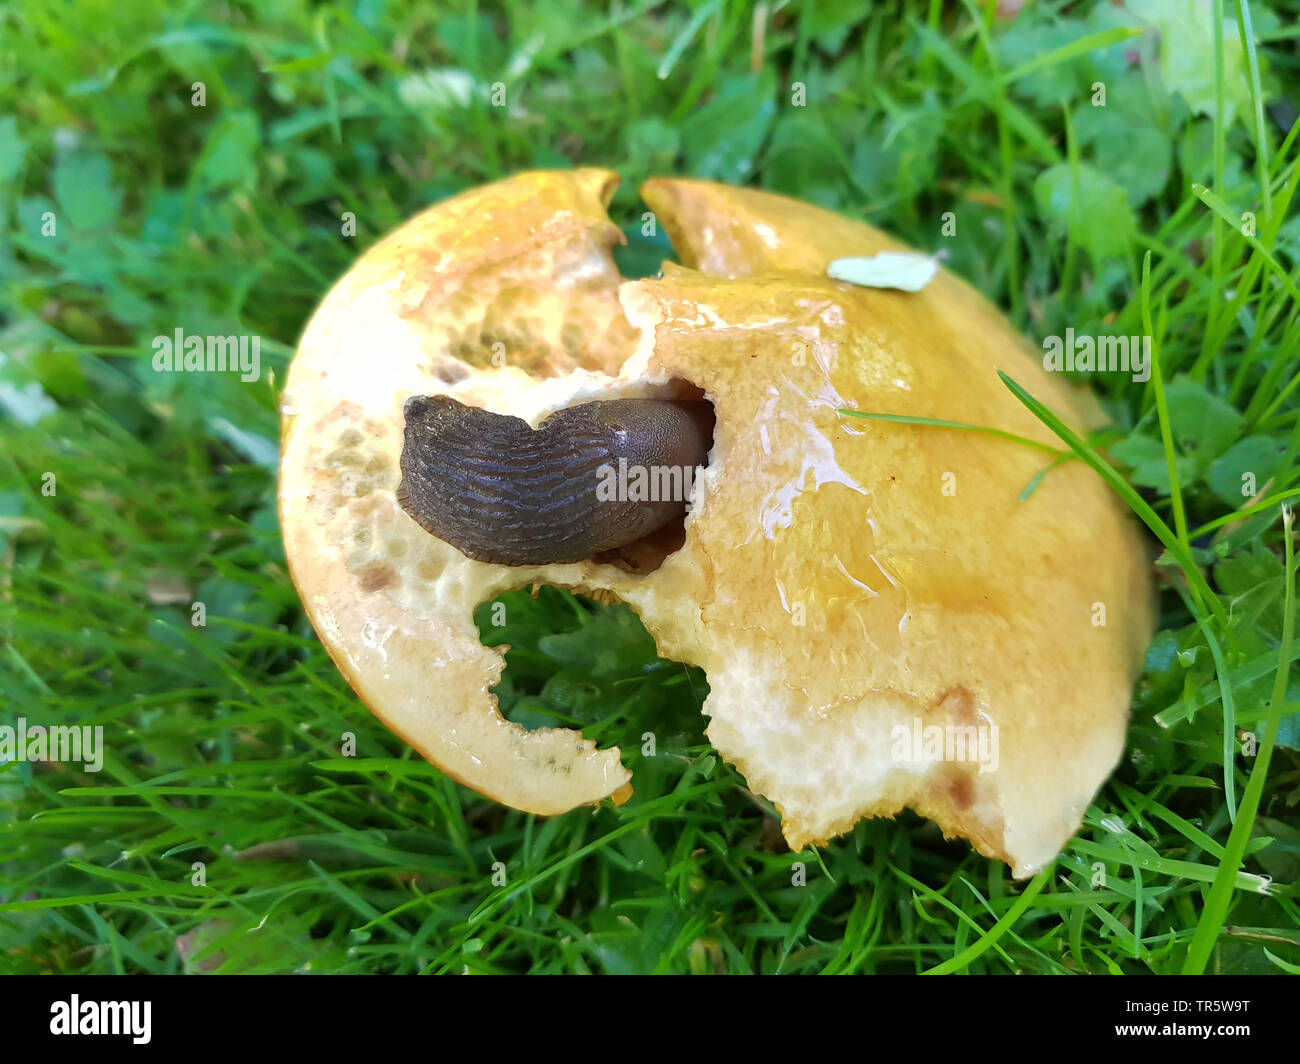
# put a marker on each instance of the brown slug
(500, 491)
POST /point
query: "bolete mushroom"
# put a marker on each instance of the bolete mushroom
(884, 623)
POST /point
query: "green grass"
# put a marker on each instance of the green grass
(225, 741)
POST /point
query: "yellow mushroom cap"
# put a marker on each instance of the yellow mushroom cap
(855, 590)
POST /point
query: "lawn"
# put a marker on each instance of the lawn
(1114, 169)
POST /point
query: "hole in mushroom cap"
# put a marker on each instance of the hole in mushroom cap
(683, 391)
(648, 553)
(645, 555)
(644, 253)
(573, 662)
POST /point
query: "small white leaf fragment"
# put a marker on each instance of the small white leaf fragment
(903, 270)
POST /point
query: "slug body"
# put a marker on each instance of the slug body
(590, 478)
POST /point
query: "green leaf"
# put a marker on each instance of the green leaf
(83, 186)
(1258, 457)
(652, 145)
(722, 139)
(683, 39)
(623, 646)
(230, 156)
(1022, 47)
(1086, 205)
(1072, 49)
(804, 158)
(1127, 147)
(1203, 425)
(1246, 570)
(828, 22)
(1203, 428)
(1146, 456)
(1288, 733)
(1187, 62)
(12, 149)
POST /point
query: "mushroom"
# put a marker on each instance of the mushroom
(883, 621)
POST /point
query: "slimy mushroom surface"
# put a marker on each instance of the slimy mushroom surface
(502, 492)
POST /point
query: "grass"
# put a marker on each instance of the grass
(226, 830)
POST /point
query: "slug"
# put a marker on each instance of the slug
(499, 491)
